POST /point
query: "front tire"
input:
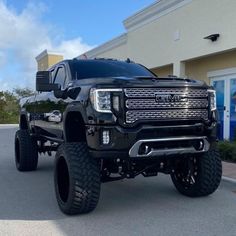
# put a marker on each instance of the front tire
(76, 178)
(26, 151)
(198, 175)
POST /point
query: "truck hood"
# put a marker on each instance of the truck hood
(124, 82)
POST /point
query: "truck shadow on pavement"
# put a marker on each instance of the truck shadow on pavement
(138, 206)
(30, 195)
(135, 204)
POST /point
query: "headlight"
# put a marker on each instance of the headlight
(101, 99)
(212, 98)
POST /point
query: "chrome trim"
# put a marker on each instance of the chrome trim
(151, 92)
(167, 114)
(146, 103)
(108, 89)
(213, 92)
(134, 150)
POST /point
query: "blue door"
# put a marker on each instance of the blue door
(219, 86)
(232, 109)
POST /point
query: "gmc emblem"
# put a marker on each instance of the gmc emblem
(170, 98)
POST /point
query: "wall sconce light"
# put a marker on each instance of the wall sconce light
(212, 37)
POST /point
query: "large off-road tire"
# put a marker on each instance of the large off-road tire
(26, 152)
(198, 176)
(76, 178)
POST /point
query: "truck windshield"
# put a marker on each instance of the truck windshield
(108, 68)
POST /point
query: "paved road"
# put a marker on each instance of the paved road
(144, 206)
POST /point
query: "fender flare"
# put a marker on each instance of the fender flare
(73, 108)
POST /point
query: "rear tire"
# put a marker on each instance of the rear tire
(26, 152)
(76, 178)
(198, 176)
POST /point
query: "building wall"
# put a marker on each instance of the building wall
(42, 64)
(53, 59)
(118, 53)
(47, 59)
(154, 45)
(163, 71)
(177, 33)
(197, 69)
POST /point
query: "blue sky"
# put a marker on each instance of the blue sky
(71, 27)
(94, 20)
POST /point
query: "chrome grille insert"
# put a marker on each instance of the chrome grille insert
(135, 115)
(165, 104)
(151, 92)
(151, 103)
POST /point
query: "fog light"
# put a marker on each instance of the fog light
(105, 136)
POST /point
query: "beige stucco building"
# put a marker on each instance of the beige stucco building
(169, 38)
(47, 58)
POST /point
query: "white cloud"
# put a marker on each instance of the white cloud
(72, 48)
(23, 36)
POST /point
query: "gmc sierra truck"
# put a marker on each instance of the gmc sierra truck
(108, 119)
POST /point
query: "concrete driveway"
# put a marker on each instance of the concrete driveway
(143, 206)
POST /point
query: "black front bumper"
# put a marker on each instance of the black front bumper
(122, 139)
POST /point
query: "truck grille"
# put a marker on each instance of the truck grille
(165, 104)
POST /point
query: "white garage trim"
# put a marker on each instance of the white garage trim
(223, 72)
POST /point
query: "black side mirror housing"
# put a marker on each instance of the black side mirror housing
(73, 92)
(69, 92)
(60, 94)
(44, 82)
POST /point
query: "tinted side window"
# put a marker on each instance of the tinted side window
(60, 77)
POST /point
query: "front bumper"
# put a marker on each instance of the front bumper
(172, 146)
(123, 141)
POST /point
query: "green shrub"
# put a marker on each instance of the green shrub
(9, 104)
(227, 150)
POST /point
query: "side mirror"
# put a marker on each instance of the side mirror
(69, 92)
(44, 82)
(60, 94)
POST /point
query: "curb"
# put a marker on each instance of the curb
(228, 179)
(8, 125)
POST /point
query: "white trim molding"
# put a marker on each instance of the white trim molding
(116, 42)
(153, 12)
(217, 73)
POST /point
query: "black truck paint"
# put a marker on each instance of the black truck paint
(153, 125)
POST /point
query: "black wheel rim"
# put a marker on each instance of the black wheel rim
(186, 172)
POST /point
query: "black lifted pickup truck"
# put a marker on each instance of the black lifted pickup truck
(108, 120)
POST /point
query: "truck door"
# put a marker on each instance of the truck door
(50, 109)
